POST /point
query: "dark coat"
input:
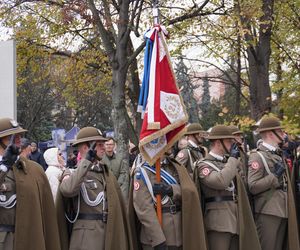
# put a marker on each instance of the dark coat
(39, 158)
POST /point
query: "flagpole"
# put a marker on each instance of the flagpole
(158, 196)
(155, 12)
(157, 163)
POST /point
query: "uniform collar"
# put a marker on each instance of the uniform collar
(269, 146)
(193, 144)
(218, 157)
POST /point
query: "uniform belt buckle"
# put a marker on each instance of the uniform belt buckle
(173, 209)
(104, 216)
(217, 199)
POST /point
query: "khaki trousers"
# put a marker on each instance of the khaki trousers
(271, 231)
(6, 241)
(222, 241)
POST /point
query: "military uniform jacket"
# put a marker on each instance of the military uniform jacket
(226, 216)
(33, 215)
(96, 234)
(269, 194)
(218, 216)
(151, 231)
(7, 216)
(184, 228)
(189, 155)
(273, 196)
(120, 170)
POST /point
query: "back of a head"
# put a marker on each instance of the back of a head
(24, 143)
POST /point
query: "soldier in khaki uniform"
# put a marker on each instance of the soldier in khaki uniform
(27, 213)
(194, 150)
(117, 165)
(224, 194)
(269, 182)
(182, 224)
(96, 197)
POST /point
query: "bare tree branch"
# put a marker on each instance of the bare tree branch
(136, 53)
(196, 13)
(231, 81)
(106, 36)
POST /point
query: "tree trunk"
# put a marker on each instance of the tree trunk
(133, 93)
(237, 110)
(260, 92)
(279, 93)
(119, 110)
(259, 60)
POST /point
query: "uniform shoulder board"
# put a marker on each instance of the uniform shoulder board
(200, 162)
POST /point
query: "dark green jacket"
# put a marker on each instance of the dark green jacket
(120, 169)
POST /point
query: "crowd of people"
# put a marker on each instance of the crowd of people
(222, 197)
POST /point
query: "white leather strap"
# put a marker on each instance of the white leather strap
(264, 162)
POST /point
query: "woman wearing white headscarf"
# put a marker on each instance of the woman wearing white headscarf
(55, 168)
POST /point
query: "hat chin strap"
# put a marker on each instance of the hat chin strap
(198, 142)
(280, 144)
(2, 144)
(225, 149)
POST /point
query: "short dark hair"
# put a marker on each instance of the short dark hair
(25, 143)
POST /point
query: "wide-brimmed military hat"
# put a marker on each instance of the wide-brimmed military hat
(235, 130)
(9, 127)
(269, 123)
(220, 132)
(194, 128)
(88, 134)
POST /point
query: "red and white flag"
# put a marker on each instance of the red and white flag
(165, 115)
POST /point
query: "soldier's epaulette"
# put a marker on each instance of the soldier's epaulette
(200, 162)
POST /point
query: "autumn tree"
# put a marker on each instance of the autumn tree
(187, 90)
(108, 27)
